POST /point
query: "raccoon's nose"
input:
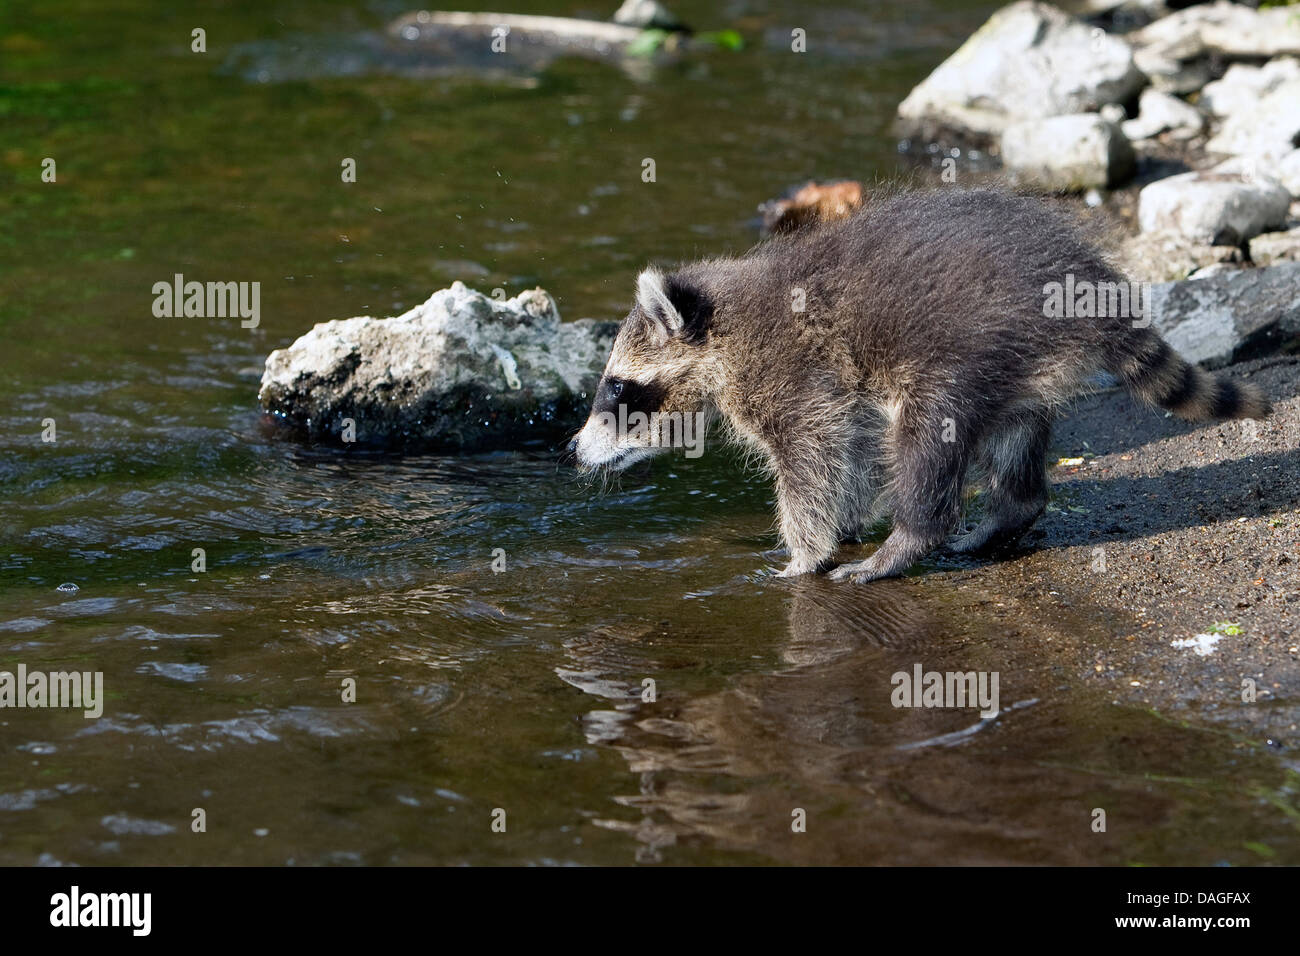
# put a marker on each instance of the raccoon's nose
(572, 447)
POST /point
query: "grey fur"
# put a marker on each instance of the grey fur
(922, 355)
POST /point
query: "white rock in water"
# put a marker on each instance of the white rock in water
(1216, 207)
(1242, 86)
(459, 371)
(1067, 152)
(1268, 129)
(1029, 61)
(1159, 113)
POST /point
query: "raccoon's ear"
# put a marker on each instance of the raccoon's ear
(675, 306)
(652, 296)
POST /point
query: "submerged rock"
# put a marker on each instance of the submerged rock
(507, 42)
(461, 371)
(1029, 61)
(430, 44)
(568, 33)
(1070, 153)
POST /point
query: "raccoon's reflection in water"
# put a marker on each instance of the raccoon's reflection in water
(826, 620)
(733, 763)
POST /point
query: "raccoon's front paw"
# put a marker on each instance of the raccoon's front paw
(883, 564)
(857, 571)
(804, 565)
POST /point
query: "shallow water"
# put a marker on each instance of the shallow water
(477, 689)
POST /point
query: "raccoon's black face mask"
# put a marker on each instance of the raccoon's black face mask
(647, 400)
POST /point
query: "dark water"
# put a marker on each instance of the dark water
(476, 689)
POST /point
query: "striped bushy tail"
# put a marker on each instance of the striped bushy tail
(1158, 375)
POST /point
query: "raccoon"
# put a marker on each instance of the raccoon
(875, 363)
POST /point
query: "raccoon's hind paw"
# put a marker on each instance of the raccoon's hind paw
(997, 533)
(901, 550)
(985, 538)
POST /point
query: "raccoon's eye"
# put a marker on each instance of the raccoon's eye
(615, 387)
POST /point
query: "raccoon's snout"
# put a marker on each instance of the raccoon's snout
(587, 449)
(600, 446)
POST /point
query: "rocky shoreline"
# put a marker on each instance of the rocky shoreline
(1196, 111)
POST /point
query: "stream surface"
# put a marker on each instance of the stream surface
(477, 688)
